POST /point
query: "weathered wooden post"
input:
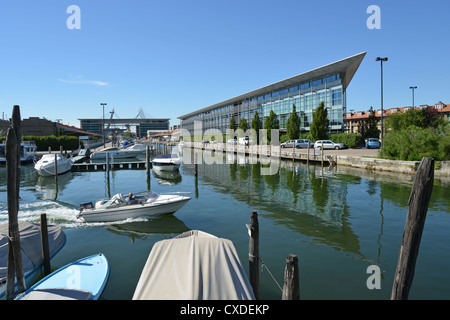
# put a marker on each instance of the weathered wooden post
(56, 170)
(412, 234)
(307, 161)
(44, 245)
(291, 287)
(147, 163)
(321, 151)
(14, 264)
(253, 253)
(293, 152)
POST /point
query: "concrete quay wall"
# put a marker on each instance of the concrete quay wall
(375, 164)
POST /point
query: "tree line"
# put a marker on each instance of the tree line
(410, 136)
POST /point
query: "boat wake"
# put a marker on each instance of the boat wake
(62, 214)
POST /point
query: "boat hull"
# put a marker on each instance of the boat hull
(165, 166)
(133, 211)
(118, 155)
(49, 169)
(89, 274)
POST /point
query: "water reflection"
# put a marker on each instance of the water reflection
(166, 224)
(306, 199)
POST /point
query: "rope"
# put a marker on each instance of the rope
(263, 265)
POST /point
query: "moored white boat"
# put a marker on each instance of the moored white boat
(166, 162)
(145, 204)
(193, 266)
(46, 165)
(117, 153)
(27, 152)
(30, 243)
(84, 279)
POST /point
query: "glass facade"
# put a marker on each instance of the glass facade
(306, 96)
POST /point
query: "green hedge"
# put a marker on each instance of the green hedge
(54, 142)
(414, 143)
(351, 140)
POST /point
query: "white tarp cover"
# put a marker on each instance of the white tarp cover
(193, 266)
(30, 243)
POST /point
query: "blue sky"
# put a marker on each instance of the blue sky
(174, 57)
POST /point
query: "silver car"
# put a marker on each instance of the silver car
(328, 144)
(299, 143)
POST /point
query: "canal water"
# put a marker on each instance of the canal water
(338, 221)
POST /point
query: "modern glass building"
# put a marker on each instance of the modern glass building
(143, 126)
(328, 84)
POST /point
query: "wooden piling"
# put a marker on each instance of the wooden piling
(44, 244)
(321, 153)
(291, 287)
(253, 253)
(14, 260)
(415, 221)
(56, 169)
(147, 164)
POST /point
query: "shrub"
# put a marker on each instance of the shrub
(54, 142)
(351, 140)
(414, 143)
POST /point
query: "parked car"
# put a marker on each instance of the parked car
(304, 143)
(287, 144)
(231, 141)
(373, 143)
(299, 143)
(328, 144)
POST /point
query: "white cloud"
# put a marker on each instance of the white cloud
(91, 82)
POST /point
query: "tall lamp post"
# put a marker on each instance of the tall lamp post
(381, 59)
(412, 88)
(103, 123)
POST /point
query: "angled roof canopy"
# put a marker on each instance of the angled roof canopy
(346, 66)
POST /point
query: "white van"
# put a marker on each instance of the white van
(243, 141)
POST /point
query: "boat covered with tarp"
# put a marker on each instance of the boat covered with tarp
(30, 243)
(193, 266)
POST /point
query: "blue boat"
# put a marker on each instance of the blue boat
(84, 279)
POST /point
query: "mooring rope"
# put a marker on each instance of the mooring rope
(263, 265)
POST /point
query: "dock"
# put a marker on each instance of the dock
(102, 166)
(304, 155)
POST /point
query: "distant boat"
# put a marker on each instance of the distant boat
(27, 152)
(145, 204)
(84, 279)
(46, 165)
(193, 266)
(117, 153)
(30, 243)
(166, 162)
(82, 156)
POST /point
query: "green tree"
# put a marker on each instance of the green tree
(320, 124)
(232, 122)
(243, 124)
(293, 124)
(256, 125)
(369, 127)
(271, 123)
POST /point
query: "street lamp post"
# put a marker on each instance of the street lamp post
(412, 88)
(103, 123)
(381, 59)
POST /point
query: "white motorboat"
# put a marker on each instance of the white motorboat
(117, 153)
(27, 152)
(46, 165)
(145, 204)
(166, 162)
